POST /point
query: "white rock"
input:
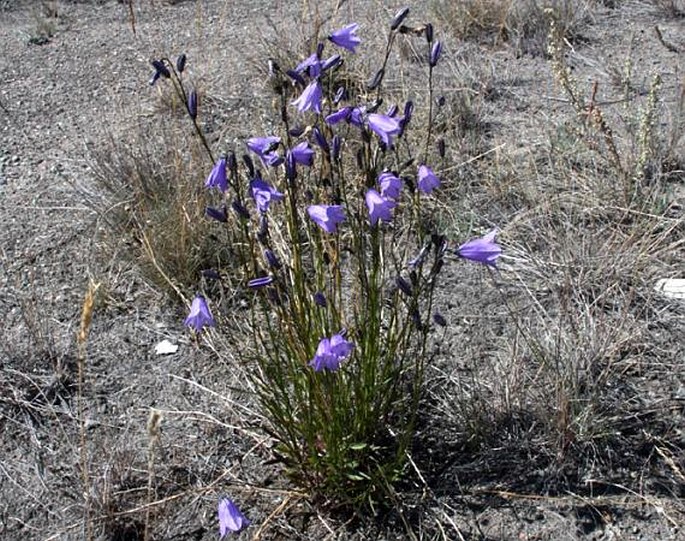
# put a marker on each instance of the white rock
(166, 348)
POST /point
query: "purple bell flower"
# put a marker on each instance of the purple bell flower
(483, 250)
(385, 127)
(327, 217)
(263, 194)
(390, 184)
(303, 154)
(331, 352)
(427, 180)
(265, 148)
(217, 177)
(346, 37)
(230, 518)
(339, 116)
(310, 99)
(199, 316)
(379, 207)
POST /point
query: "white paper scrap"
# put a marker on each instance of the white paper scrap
(166, 348)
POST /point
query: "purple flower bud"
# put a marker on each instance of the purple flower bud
(263, 281)
(428, 32)
(336, 145)
(441, 147)
(296, 131)
(404, 286)
(320, 140)
(217, 214)
(231, 162)
(332, 63)
(192, 104)
(375, 80)
(399, 18)
(441, 101)
(439, 320)
(420, 257)
(161, 68)
(319, 50)
(290, 166)
(240, 210)
(181, 63)
(155, 77)
(436, 50)
(408, 111)
(320, 299)
(392, 111)
(339, 116)
(249, 164)
(272, 259)
(295, 76)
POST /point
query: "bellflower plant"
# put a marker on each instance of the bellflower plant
(342, 405)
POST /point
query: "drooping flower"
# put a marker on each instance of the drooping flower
(265, 148)
(217, 177)
(310, 65)
(390, 184)
(331, 352)
(327, 217)
(230, 518)
(346, 37)
(199, 316)
(262, 281)
(483, 250)
(339, 116)
(303, 154)
(427, 180)
(310, 99)
(263, 193)
(379, 207)
(385, 127)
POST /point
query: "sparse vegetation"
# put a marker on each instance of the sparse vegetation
(539, 398)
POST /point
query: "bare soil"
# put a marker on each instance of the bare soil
(71, 78)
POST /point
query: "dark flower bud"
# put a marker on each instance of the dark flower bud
(263, 232)
(296, 131)
(392, 111)
(320, 140)
(240, 210)
(271, 259)
(438, 266)
(414, 277)
(436, 50)
(217, 214)
(441, 101)
(192, 104)
(319, 50)
(274, 68)
(375, 80)
(296, 77)
(161, 68)
(360, 159)
(181, 63)
(441, 147)
(231, 162)
(155, 77)
(320, 299)
(408, 111)
(290, 166)
(399, 18)
(439, 320)
(404, 286)
(336, 145)
(420, 257)
(211, 274)
(341, 94)
(428, 32)
(373, 107)
(249, 164)
(416, 318)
